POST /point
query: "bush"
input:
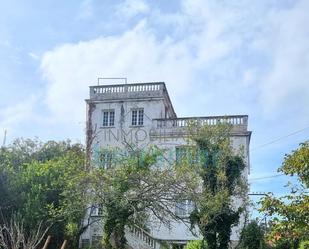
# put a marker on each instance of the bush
(304, 244)
(286, 244)
(252, 237)
(196, 244)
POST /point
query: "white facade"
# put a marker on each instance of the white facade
(143, 114)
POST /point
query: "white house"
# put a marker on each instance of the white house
(142, 113)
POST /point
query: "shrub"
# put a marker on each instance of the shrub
(304, 244)
(286, 244)
(252, 237)
(196, 244)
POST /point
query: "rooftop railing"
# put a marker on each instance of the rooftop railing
(132, 90)
(127, 88)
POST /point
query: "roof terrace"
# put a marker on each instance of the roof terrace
(135, 90)
(158, 90)
(131, 91)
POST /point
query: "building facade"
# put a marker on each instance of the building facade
(142, 114)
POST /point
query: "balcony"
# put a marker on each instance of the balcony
(178, 126)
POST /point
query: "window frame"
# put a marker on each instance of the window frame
(108, 118)
(140, 117)
(106, 159)
(137, 117)
(184, 208)
(187, 153)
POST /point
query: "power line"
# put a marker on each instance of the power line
(280, 138)
(265, 177)
(259, 193)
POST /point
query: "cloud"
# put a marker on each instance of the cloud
(131, 8)
(13, 117)
(286, 86)
(244, 57)
(217, 57)
(34, 56)
(137, 54)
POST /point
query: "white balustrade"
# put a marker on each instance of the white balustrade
(214, 120)
(142, 237)
(143, 87)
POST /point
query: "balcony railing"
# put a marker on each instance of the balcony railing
(142, 238)
(235, 120)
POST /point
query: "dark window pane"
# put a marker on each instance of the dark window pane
(105, 118)
(141, 117)
(106, 159)
(134, 117)
(111, 118)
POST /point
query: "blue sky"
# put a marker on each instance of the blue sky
(217, 57)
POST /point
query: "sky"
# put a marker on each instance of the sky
(216, 57)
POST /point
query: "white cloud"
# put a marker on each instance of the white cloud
(286, 86)
(12, 117)
(217, 57)
(34, 56)
(137, 55)
(131, 8)
(223, 53)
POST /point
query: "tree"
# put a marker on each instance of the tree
(222, 184)
(14, 236)
(290, 213)
(252, 237)
(139, 185)
(45, 184)
(304, 244)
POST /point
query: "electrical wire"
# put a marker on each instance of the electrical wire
(278, 139)
(265, 177)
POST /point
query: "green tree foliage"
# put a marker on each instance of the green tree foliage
(290, 213)
(252, 237)
(221, 169)
(304, 245)
(43, 183)
(138, 186)
(196, 244)
(285, 244)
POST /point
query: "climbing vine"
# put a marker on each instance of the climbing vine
(221, 171)
(135, 187)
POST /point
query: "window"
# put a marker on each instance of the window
(106, 158)
(134, 117)
(141, 117)
(184, 208)
(85, 243)
(181, 154)
(96, 240)
(187, 154)
(180, 209)
(108, 118)
(97, 210)
(100, 210)
(138, 117)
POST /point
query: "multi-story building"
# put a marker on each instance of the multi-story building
(143, 114)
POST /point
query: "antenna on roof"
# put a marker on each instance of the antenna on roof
(125, 79)
(4, 138)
